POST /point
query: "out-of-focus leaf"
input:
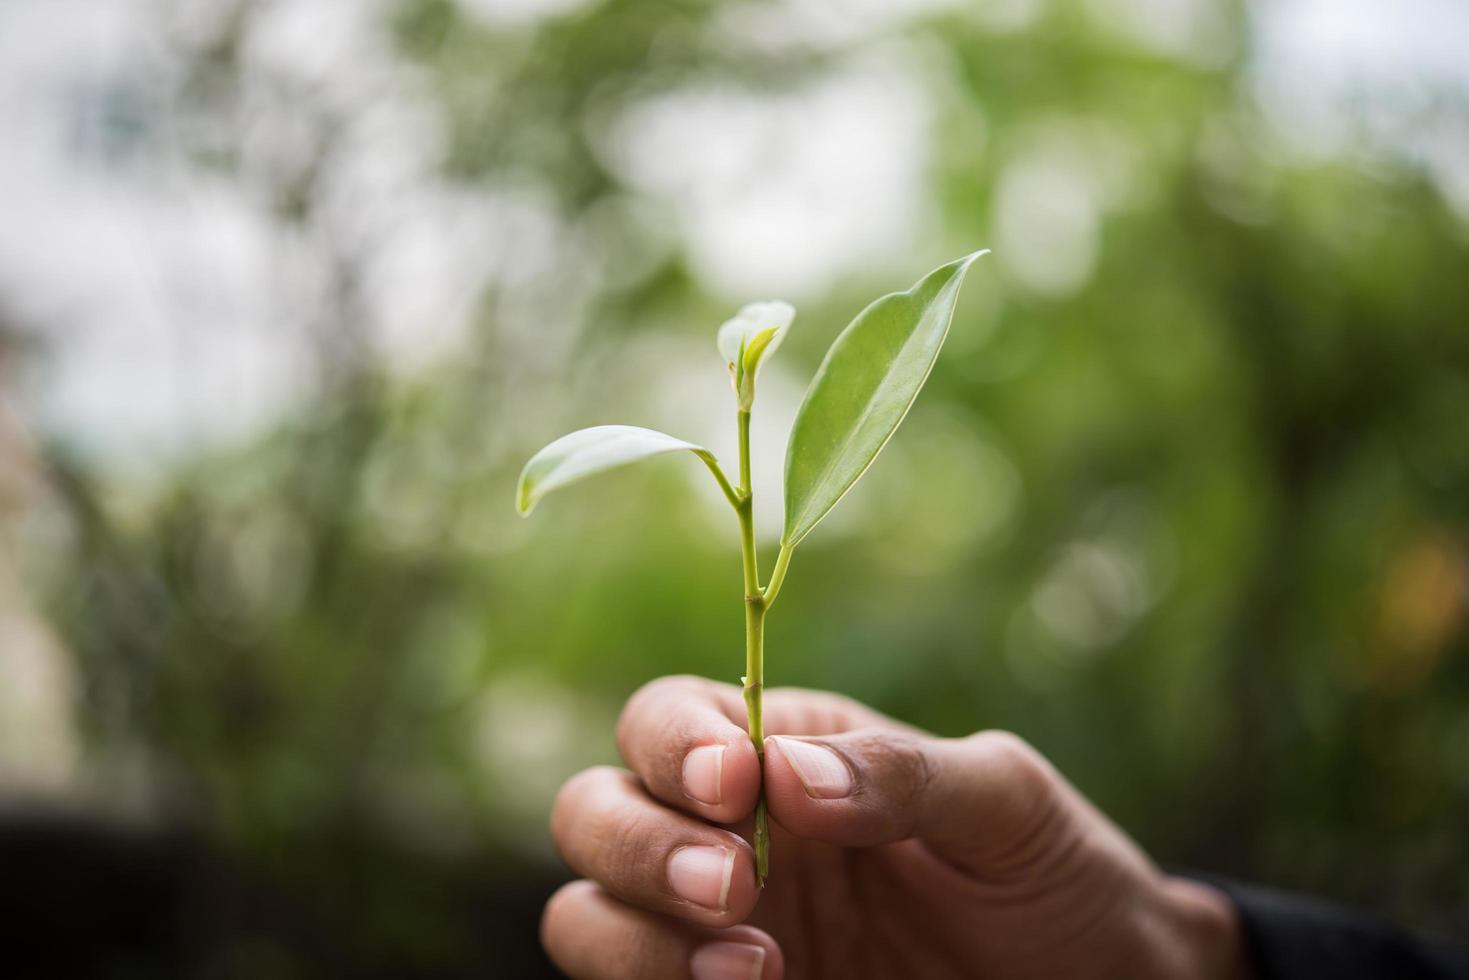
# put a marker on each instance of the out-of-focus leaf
(864, 387)
(586, 452)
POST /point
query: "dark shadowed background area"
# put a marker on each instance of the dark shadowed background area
(290, 290)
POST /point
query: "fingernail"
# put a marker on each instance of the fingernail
(703, 768)
(728, 961)
(821, 771)
(702, 875)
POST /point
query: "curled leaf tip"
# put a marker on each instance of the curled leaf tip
(748, 338)
(768, 319)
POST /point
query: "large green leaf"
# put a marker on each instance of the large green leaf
(861, 392)
(585, 452)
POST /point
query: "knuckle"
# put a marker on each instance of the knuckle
(640, 954)
(631, 710)
(603, 833)
(825, 712)
(574, 804)
(842, 711)
(1019, 765)
(899, 766)
(1029, 811)
(558, 910)
(659, 686)
(619, 846)
(626, 851)
(642, 705)
(904, 763)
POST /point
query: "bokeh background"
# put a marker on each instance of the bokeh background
(289, 291)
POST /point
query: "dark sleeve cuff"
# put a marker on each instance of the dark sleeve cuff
(1288, 937)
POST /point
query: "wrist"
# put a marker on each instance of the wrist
(1206, 929)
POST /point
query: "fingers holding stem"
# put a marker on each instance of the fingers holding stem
(757, 602)
(754, 679)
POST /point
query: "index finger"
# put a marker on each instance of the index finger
(685, 738)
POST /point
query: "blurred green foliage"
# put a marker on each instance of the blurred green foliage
(1194, 524)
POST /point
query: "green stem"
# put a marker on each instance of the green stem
(743, 418)
(754, 679)
(754, 686)
(730, 493)
(745, 508)
(778, 576)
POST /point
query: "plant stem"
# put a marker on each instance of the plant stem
(754, 686)
(754, 679)
(782, 562)
(743, 419)
(730, 493)
(745, 510)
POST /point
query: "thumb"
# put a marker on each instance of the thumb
(986, 803)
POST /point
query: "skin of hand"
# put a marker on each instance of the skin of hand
(894, 854)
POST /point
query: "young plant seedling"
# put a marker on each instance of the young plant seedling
(863, 388)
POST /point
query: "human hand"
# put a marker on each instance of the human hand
(893, 854)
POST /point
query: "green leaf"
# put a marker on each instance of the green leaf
(864, 387)
(589, 451)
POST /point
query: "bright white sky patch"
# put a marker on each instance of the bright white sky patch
(519, 13)
(1049, 226)
(770, 26)
(1332, 74)
(1191, 30)
(777, 194)
(174, 309)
